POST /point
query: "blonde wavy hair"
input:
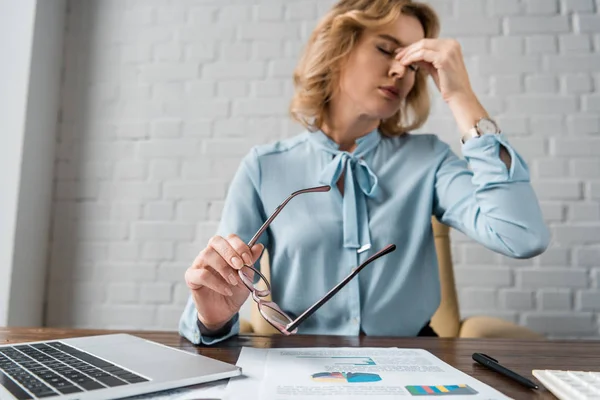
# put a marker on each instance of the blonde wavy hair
(316, 76)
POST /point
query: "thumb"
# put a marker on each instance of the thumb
(257, 250)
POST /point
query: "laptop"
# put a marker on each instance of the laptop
(101, 367)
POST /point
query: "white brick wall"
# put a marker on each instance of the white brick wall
(161, 99)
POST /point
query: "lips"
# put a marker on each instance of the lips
(391, 91)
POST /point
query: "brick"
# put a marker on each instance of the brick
(576, 84)
(578, 5)
(167, 128)
(541, 84)
(271, 11)
(471, 27)
(134, 54)
(166, 148)
(181, 293)
(132, 130)
(125, 316)
(586, 168)
(582, 212)
(267, 50)
(558, 189)
(478, 299)
(541, 44)
(556, 257)
(503, 85)
(103, 231)
(551, 167)
(575, 43)
(561, 323)
(131, 170)
(260, 107)
(167, 317)
(474, 46)
(553, 211)
(502, 8)
(227, 147)
(541, 6)
(268, 30)
(575, 147)
(155, 293)
(588, 300)
(555, 299)
(206, 32)
(517, 299)
(546, 104)
(300, 10)
(595, 190)
(122, 292)
(585, 23)
(269, 88)
(174, 272)
(572, 63)
(197, 169)
(170, 16)
(234, 52)
(507, 45)
(159, 211)
(215, 209)
(168, 72)
(163, 231)
(513, 125)
(551, 277)
(194, 190)
(197, 109)
(168, 91)
(123, 251)
(478, 255)
(200, 52)
(168, 52)
(232, 15)
(591, 102)
(282, 68)
(201, 90)
(489, 65)
(192, 210)
(535, 24)
(111, 151)
(232, 89)
(127, 211)
(487, 277)
(577, 235)
(201, 128)
(130, 191)
(164, 170)
(588, 256)
(241, 71)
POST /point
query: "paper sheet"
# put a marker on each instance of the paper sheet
(356, 373)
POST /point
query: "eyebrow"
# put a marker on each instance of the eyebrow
(392, 39)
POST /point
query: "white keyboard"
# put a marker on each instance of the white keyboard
(570, 385)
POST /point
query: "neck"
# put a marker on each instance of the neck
(344, 125)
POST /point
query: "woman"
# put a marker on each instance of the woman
(360, 87)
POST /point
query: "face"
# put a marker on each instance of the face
(371, 81)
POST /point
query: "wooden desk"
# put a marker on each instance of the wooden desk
(519, 355)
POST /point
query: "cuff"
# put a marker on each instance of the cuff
(483, 155)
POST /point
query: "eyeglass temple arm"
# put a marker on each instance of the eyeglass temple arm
(264, 226)
(332, 292)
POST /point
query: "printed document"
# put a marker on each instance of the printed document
(352, 373)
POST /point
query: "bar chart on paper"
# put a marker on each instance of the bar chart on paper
(369, 373)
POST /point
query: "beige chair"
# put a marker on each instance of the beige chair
(446, 321)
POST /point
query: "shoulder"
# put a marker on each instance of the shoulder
(280, 147)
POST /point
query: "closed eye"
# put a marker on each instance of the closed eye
(384, 51)
(413, 67)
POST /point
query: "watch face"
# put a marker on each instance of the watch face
(487, 126)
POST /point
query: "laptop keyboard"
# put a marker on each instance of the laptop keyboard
(50, 369)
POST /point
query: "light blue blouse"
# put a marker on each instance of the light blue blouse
(392, 187)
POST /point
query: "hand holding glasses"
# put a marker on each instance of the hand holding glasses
(270, 311)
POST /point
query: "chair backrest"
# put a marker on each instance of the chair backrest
(445, 321)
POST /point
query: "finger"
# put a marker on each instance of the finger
(221, 267)
(224, 248)
(430, 56)
(241, 248)
(198, 278)
(257, 251)
(430, 44)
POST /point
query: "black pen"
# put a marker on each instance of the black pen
(493, 364)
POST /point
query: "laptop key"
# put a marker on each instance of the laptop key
(111, 381)
(70, 389)
(13, 388)
(134, 379)
(91, 385)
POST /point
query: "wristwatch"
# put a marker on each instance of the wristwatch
(483, 126)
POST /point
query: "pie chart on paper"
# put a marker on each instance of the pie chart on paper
(345, 377)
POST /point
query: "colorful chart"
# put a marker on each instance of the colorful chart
(343, 377)
(441, 390)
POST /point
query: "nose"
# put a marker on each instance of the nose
(397, 70)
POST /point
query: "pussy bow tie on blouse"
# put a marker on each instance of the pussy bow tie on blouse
(359, 183)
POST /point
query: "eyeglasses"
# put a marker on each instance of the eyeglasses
(270, 311)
